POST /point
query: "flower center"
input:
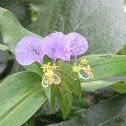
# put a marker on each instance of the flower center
(85, 69)
(49, 76)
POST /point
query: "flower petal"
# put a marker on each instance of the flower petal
(57, 46)
(28, 50)
(78, 44)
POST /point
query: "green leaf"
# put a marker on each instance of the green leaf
(124, 6)
(119, 87)
(84, 103)
(108, 113)
(45, 109)
(69, 84)
(21, 95)
(72, 79)
(105, 65)
(35, 67)
(50, 93)
(64, 99)
(16, 68)
(102, 22)
(53, 95)
(94, 85)
(12, 32)
(3, 47)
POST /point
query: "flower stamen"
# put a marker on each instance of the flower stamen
(44, 67)
(54, 67)
(49, 76)
(84, 61)
(87, 70)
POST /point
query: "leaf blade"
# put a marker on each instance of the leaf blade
(105, 65)
(12, 32)
(118, 86)
(3, 47)
(16, 96)
(99, 117)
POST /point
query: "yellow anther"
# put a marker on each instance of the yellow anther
(84, 61)
(44, 67)
(55, 67)
(48, 65)
(87, 69)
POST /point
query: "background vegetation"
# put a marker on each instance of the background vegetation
(22, 99)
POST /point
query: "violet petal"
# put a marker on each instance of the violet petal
(29, 50)
(57, 46)
(78, 44)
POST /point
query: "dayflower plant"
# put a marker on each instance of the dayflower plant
(56, 45)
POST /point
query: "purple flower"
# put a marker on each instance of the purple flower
(32, 49)
(29, 49)
(78, 44)
(57, 46)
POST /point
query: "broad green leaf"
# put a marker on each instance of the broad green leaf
(35, 67)
(108, 113)
(118, 86)
(12, 32)
(3, 47)
(124, 6)
(102, 22)
(105, 65)
(21, 95)
(16, 68)
(11, 29)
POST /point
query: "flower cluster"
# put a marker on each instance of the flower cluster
(56, 45)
